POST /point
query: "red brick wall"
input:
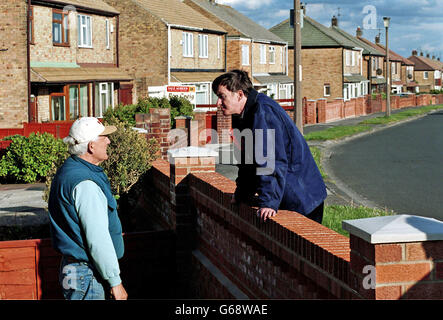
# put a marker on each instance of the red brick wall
(260, 259)
(29, 268)
(13, 64)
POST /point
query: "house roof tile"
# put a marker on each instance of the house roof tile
(423, 63)
(175, 12)
(245, 26)
(313, 34)
(87, 4)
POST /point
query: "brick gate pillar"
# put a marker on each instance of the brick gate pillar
(184, 161)
(396, 257)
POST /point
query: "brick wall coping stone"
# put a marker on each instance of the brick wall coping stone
(190, 152)
(395, 229)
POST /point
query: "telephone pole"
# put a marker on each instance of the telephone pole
(298, 112)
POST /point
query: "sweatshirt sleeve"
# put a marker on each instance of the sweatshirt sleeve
(271, 160)
(92, 208)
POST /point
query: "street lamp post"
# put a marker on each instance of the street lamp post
(388, 69)
(298, 112)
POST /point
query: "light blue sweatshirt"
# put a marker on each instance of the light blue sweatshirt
(92, 208)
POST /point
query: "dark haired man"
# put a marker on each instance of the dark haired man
(294, 181)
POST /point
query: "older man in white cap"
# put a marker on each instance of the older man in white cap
(85, 227)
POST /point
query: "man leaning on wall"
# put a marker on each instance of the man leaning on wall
(278, 171)
(85, 227)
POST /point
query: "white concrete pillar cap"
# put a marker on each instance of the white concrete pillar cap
(395, 229)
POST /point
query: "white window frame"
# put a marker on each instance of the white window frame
(83, 43)
(271, 55)
(107, 34)
(281, 55)
(188, 44)
(103, 89)
(203, 46)
(218, 47)
(245, 55)
(426, 75)
(353, 58)
(348, 58)
(262, 54)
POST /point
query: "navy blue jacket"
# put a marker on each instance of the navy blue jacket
(289, 180)
(67, 235)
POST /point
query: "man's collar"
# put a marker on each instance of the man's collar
(252, 98)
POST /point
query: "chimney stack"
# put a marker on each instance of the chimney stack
(303, 7)
(359, 32)
(377, 39)
(421, 54)
(414, 52)
(427, 55)
(334, 21)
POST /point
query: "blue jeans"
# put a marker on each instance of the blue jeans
(79, 281)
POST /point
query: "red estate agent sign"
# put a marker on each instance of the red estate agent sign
(180, 89)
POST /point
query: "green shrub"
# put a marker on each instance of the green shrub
(130, 156)
(179, 106)
(124, 113)
(29, 159)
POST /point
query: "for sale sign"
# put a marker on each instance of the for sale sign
(187, 92)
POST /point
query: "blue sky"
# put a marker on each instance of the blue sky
(415, 24)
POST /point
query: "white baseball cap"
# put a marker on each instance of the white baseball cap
(86, 129)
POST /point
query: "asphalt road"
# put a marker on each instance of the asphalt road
(399, 168)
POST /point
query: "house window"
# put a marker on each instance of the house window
(107, 34)
(218, 47)
(58, 106)
(203, 45)
(84, 31)
(353, 58)
(60, 28)
(348, 58)
(262, 54)
(245, 54)
(272, 55)
(281, 55)
(78, 101)
(393, 68)
(346, 92)
(31, 25)
(425, 75)
(327, 90)
(201, 94)
(104, 98)
(272, 90)
(188, 44)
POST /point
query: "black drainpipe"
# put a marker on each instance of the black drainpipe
(28, 62)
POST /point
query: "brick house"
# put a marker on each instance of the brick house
(252, 48)
(13, 64)
(372, 59)
(428, 72)
(67, 58)
(165, 43)
(332, 65)
(402, 69)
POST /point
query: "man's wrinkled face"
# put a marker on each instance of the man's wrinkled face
(230, 102)
(100, 147)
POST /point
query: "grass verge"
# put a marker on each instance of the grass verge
(336, 132)
(339, 132)
(401, 115)
(335, 214)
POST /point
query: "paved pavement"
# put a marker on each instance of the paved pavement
(22, 205)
